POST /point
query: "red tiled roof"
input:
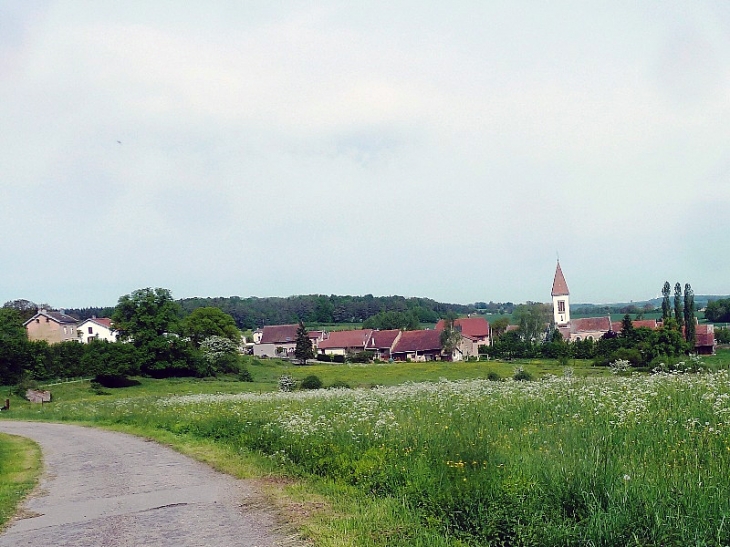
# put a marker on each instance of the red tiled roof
(591, 324)
(618, 326)
(103, 321)
(704, 335)
(279, 334)
(418, 340)
(346, 339)
(382, 339)
(560, 287)
(473, 327)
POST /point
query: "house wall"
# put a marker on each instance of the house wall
(98, 332)
(44, 328)
(269, 350)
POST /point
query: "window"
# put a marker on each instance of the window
(561, 306)
(91, 330)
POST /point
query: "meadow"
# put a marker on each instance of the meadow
(570, 459)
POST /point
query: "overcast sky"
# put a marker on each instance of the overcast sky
(442, 149)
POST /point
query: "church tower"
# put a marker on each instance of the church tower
(561, 299)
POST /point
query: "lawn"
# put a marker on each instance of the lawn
(20, 465)
(579, 457)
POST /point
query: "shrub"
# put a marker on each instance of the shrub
(287, 383)
(323, 357)
(521, 375)
(311, 382)
(620, 366)
(244, 375)
(338, 358)
(722, 335)
(494, 377)
(114, 381)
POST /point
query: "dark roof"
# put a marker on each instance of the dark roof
(473, 327)
(57, 316)
(560, 287)
(346, 339)
(279, 334)
(383, 339)
(418, 340)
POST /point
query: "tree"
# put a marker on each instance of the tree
(208, 321)
(678, 313)
(718, 311)
(15, 354)
(303, 349)
(666, 307)
(148, 318)
(532, 319)
(450, 337)
(499, 327)
(627, 327)
(220, 354)
(689, 314)
(106, 359)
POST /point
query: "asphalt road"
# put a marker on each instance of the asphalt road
(101, 488)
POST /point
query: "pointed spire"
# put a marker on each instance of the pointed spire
(560, 287)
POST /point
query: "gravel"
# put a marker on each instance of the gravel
(101, 488)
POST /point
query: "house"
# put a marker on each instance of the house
(418, 345)
(344, 342)
(705, 343)
(316, 336)
(277, 341)
(96, 328)
(381, 343)
(257, 334)
(51, 326)
(474, 332)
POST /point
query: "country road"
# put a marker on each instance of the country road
(101, 488)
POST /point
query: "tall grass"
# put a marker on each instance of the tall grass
(20, 463)
(565, 461)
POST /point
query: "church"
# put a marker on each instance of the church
(585, 327)
(595, 327)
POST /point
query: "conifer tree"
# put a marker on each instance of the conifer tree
(666, 308)
(678, 313)
(303, 349)
(689, 314)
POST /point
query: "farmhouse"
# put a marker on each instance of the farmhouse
(96, 328)
(418, 345)
(474, 331)
(345, 341)
(277, 341)
(51, 326)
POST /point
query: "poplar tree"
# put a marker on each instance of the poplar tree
(689, 314)
(666, 307)
(678, 313)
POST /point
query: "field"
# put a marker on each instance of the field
(574, 458)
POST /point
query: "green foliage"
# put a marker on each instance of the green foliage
(450, 337)
(689, 314)
(339, 384)
(722, 335)
(390, 320)
(678, 310)
(521, 375)
(15, 354)
(718, 311)
(311, 382)
(244, 375)
(220, 355)
(494, 377)
(532, 319)
(666, 307)
(205, 322)
(304, 349)
(287, 383)
(149, 319)
(359, 357)
(499, 326)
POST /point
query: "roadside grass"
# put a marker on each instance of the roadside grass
(20, 467)
(570, 460)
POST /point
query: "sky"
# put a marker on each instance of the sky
(450, 150)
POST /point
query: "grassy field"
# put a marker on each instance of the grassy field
(579, 457)
(20, 465)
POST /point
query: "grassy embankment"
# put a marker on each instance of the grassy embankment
(20, 466)
(575, 460)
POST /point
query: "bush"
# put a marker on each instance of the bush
(244, 375)
(323, 357)
(114, 381)
(287, 383)
(311, 382)
(338, 358)
(521, 375)
(722, 335)
(494, 377)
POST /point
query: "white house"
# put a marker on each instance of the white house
(96, 328)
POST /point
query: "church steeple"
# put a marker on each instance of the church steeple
(561, 298)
